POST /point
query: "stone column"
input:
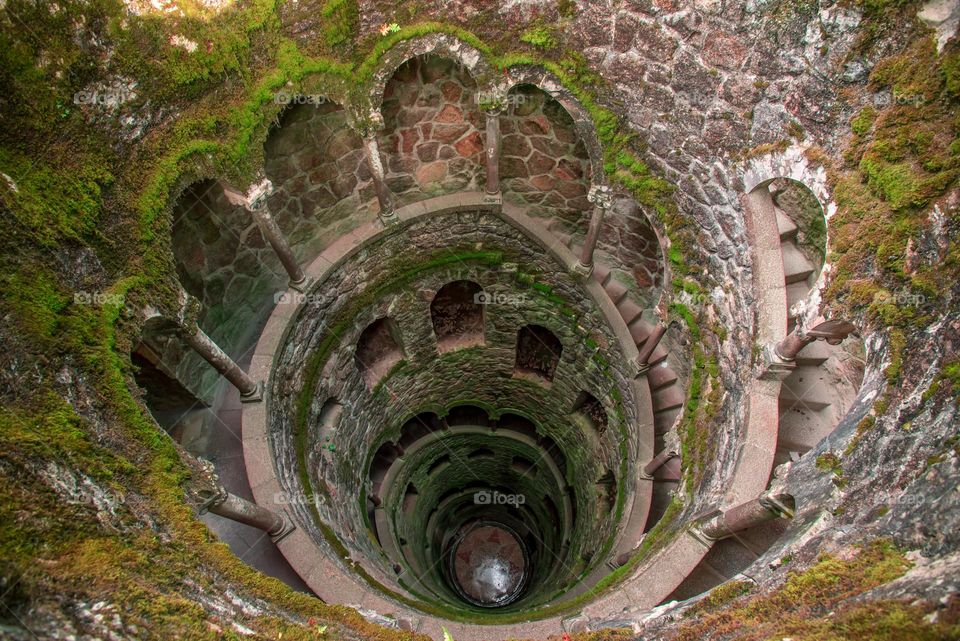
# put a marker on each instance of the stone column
(657, 462)
(767, 507)
(371, 151)
(493, 150)
(646, 350)
(832, 331)
(254, 200)
(189, 330)
(222, 503)
(602, 199)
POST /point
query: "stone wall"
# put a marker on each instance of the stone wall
(432, 139)
(525, 286)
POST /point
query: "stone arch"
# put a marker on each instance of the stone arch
(378, 349)
(550, 84)
(442, 45)
(431, 141)
(457, 315)
(544, 163)
(590, 408)
(538, 352)
(319, 173)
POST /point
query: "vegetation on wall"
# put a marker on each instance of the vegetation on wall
(107, 115)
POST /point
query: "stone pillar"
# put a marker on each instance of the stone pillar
(255, 201)
(767, 507)
(602, 199)
(657, 462)
(493, 150)
(189, 330)
(371, 151)
(222, 503)
(646, 350)
(832, 331)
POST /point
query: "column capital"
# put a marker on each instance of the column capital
(212, 492)
(253, 198)
(601, 196)
(367, 124)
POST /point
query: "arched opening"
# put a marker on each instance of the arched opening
(591, 411)
(431, 142)
(802, 228)
(457, 315)
(378, 350)
(538, 352)
(544, 163)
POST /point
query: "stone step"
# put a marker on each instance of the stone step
(785, 225)
(616, 290)
(814, 354)
(806, 387)
(800, 429)
(639, 330)
(565, 239)
(667, 398)
(660, 376)
(601, 273)
(795, 293)
(796, 267)
(629, 310)
(658, 356)
(664, 419)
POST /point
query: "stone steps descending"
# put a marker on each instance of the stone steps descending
(796, 267)
(785, 225)
(806, 386)
(668, 395)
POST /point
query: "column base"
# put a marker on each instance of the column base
(288, 527)
(388, 217)
(583, 270)
(301, 286)
(639, 369)
(493, 198)
(255, 396)
(696, 532)
(774, 367)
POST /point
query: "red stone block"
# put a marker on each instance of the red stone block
(470, 145)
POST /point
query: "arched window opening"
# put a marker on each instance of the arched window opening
(378, 350)
(457, 315)
(467, 415)
(538, 352)
(418, 427)
(329, 419)
(518, 424)
(588, 407)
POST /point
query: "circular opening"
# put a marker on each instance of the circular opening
(488, 564)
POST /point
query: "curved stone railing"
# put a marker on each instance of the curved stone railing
(326, 577)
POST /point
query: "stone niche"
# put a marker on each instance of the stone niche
(399, 276)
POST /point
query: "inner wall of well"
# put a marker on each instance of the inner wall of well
(393, 280)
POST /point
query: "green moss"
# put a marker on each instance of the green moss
(799, 608)
(540, 36)
(720, 596)
(340, 20)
